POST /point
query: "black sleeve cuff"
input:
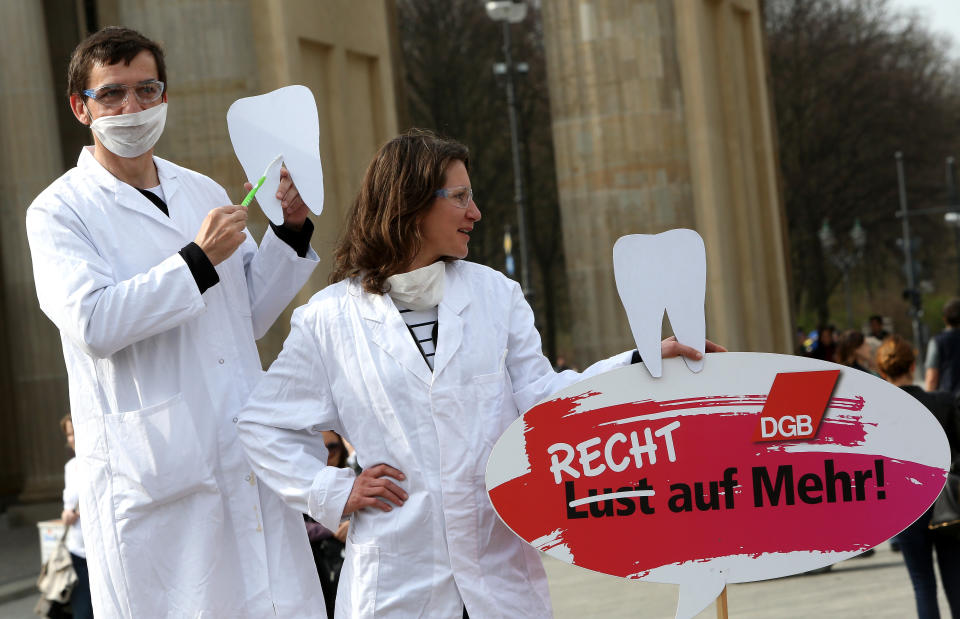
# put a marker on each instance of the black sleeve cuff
(636, 357)
(298, 240)
(200, 267)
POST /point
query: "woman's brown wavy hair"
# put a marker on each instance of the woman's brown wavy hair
(382, 234)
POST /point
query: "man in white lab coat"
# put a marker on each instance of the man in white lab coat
(159, 294)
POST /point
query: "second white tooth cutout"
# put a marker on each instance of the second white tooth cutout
(657, 273)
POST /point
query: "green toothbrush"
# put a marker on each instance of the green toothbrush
(253, 192)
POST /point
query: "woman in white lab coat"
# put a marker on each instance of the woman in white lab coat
(420, 360)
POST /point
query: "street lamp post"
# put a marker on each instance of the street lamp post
(844, 259)
(509, 12)
(916, 307)
(952, 217)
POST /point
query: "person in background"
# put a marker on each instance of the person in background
(943, 353)
(826, 346)
(80, 597)
(327, 545)
(853, 351)
(800, 342)
(876, 328)
(896, 363)
(421, 360)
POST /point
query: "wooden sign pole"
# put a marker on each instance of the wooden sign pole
(722, 604)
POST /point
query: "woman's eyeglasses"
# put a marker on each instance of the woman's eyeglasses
(461, 195)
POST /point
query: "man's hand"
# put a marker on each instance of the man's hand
(670, 347)
(221, 233)
(294, 208)
(69, 517)
(372, 489)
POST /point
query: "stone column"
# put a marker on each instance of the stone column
(661, 119)
(620, 143)
(30, 158)
(737, 199)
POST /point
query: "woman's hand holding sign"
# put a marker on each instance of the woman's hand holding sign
(670, 347)
(373, 489)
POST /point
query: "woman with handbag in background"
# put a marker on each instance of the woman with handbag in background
(896, 363)
(80, 602)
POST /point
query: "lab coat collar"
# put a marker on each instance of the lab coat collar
(168, 179)
(456, 297)
(389, 332)
(127, 196)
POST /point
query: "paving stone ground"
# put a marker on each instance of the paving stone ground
(876, 587)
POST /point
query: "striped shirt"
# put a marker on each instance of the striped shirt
(423, 327)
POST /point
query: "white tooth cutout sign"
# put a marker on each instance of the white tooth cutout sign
(282, 122)
(657, 273)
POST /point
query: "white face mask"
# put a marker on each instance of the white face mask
(419, 289)
(131, 135)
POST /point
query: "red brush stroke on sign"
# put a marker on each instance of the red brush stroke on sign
(706, 444)
(651, 407)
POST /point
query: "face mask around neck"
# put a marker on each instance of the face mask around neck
(131, 135)
(419, 289)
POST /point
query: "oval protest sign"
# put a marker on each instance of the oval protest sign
(758, 467)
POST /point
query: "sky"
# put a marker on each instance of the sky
(941, 15)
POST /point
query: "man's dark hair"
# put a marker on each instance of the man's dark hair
(951, 312)
(109, 46)
(877, 318)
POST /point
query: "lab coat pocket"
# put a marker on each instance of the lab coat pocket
(360, 572)
(492, 383)
(489, 400)
(487, 393)
(484, 379)
(155, 457)
(486, 401)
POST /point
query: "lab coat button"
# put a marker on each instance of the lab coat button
(220, 361)
(236, 419)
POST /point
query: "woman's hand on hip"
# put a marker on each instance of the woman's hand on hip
(373, 489)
